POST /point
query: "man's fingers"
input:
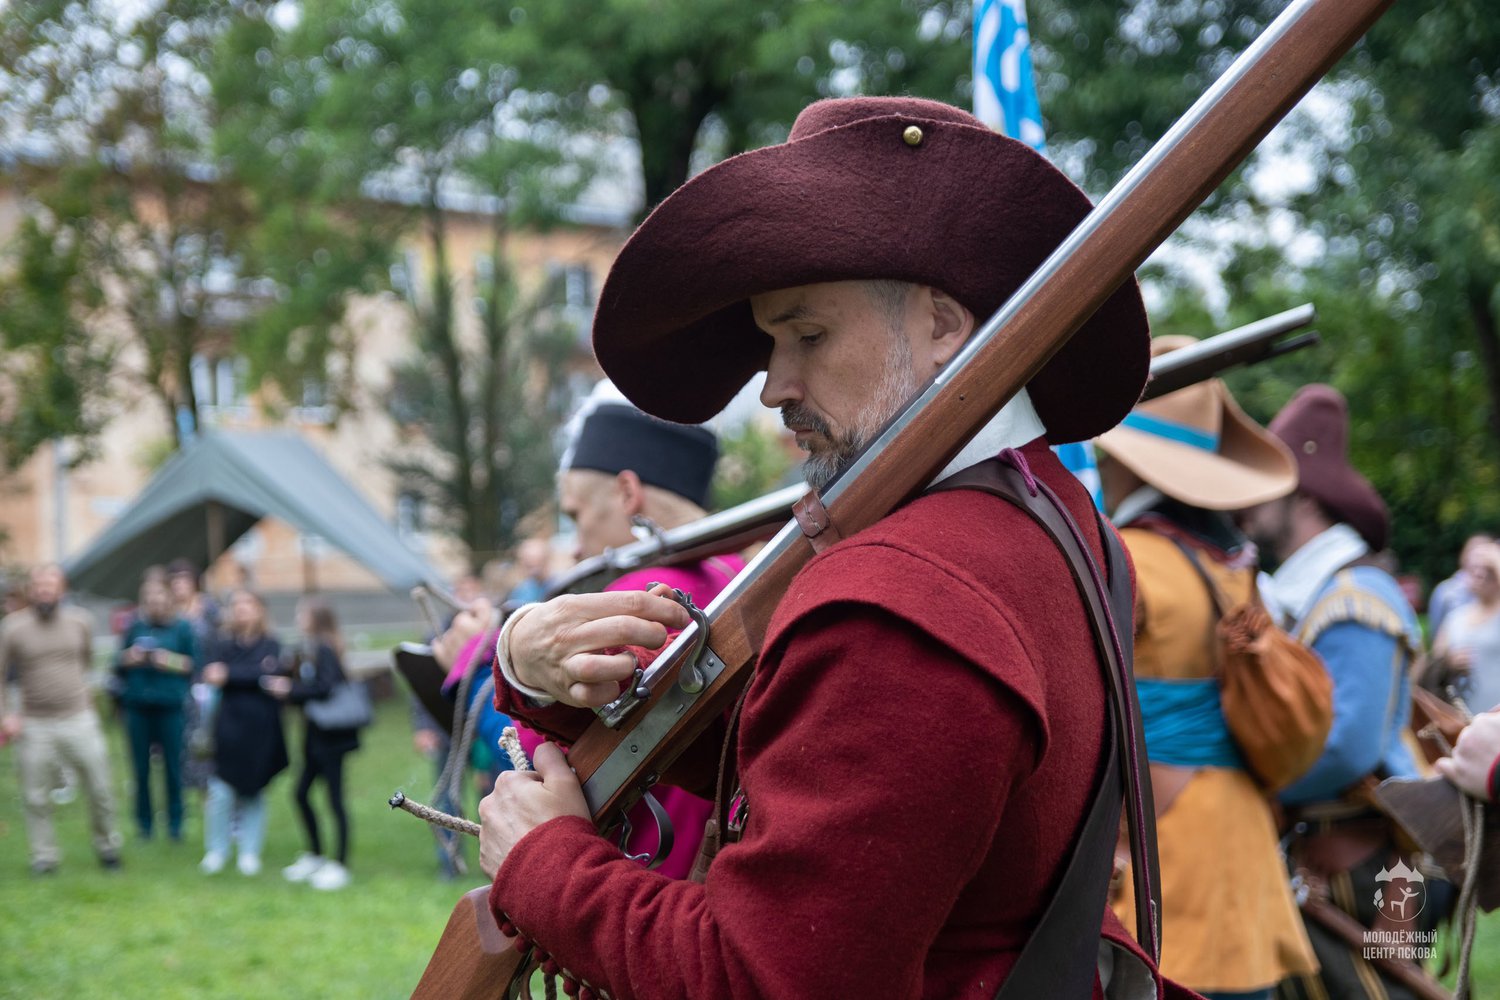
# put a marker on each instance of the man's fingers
(593, 695)
(618, 630)
(550, 762)
(599, 668)
(1444, 766)
(633, 603)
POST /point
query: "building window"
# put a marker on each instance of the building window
(219, 384)
(315, 407)
(408, 514)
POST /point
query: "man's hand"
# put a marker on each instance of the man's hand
(10, 725)
(523, 801)
(478, 617)
(1474, 756)
(216, 674)
(555, 646)
(426, 742)
(133, 656)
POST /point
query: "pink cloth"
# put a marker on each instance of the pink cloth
(465, 657)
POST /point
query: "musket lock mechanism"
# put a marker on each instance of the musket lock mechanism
(691, 679)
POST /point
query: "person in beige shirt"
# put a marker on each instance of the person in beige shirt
(51, 719)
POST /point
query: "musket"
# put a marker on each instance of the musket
(637, 737)
(756, 520)
(1250, 344)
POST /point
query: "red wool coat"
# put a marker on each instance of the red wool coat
(918, 749)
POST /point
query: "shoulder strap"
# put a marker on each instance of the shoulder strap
(1214, 593)
(1061, 956)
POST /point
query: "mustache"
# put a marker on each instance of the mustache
(797, 415)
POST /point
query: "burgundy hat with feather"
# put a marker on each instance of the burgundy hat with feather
(1314, 424)
(863, 188)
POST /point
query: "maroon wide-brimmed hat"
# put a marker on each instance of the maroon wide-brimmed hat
(864, 188)
(1314, 424)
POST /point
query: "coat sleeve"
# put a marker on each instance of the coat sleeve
(871, 805)
(319, 682)
(1366, 665)
(246, 670)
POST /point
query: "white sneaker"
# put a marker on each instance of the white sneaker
(302, 868)
(212, 863)
(330, 876)
(249, 864)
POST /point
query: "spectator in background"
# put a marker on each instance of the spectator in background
(533, 559)
(156, 665)
(50, 645)
(1454, 592)
(1466, 650)
(249, 747)
(316, 670)
(195, 607)
(202, 614)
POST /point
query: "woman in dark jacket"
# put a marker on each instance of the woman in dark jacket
(316, 671)
(155, 667)
(249, 747)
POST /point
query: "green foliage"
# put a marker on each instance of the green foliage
(752, 462)
(715, 77)
(1400, 216)
(141, 237)
(412, 102)
(54, 377)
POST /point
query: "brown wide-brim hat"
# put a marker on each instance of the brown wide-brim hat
(863, 188)
(1315, 426)
(1197, 446)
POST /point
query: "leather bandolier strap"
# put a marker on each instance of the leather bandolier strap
(1061, 957)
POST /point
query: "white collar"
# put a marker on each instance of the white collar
(1144, 499)
(1016, 424)
(1297, 581)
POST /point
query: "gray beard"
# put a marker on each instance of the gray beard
(898, 383)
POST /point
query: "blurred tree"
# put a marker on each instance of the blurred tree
(409, 102)
(1385, 200)
(753, 461)
(717, 77)
(135, 263)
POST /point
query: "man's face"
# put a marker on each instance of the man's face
(1269, 526)
(1481, 567)
(156, 602)
(844, 360)
(595, 504)
(183, 585)
(47, 586)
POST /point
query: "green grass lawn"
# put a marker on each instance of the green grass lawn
(160, 929)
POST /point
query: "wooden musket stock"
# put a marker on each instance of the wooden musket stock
(1179, 172)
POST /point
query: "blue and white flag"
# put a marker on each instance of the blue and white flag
(1004, 86)
(1005, 100)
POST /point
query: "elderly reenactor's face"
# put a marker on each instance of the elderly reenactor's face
(847, 355)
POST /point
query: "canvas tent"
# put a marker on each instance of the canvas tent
(216, 489)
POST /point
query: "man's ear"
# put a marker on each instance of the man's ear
(951, 325)
(632, 492)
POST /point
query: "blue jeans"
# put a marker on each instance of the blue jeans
(226, 811)
(1255, 995)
